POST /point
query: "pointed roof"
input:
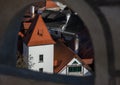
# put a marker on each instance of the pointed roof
(63, 55)
(51, 4)
(88, 61)
(38, 33)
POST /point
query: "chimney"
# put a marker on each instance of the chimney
(32, 10)
(76, 44)
(67, 19)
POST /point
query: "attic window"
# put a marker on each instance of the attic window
(75, 62)
(40, 32)
(74, 69)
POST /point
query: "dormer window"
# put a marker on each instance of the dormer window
(74, 69)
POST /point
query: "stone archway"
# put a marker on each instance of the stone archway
(12, 12)
(95, 27)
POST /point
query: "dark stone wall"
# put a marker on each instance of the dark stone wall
(107, 0)
(102, 23)
(11, 12)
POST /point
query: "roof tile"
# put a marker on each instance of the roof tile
(51, 4)
(38, 33)
(63, 55)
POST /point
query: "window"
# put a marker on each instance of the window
(74, 69)
(40, 69)
(40, 58)
(75, 62)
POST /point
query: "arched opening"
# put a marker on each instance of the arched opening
(73, 41)
(96, 32)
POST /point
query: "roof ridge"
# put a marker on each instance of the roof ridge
(30, 31)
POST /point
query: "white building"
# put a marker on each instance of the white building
(39, 53)
(38, 47)
(67, 62)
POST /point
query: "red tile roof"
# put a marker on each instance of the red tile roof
(88, 61)
(51, 4)
(38, 33)
(62, 56)
(26, 25)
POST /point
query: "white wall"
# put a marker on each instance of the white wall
(84, 71)
(47, 64)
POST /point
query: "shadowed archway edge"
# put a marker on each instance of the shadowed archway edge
(100, 35)
(11, 14)
(10, 26)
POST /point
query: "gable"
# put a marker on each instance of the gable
(38, 33)
(62, 56)
(74, 61)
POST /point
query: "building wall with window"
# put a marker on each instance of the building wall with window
(74, 67)
(40, 58)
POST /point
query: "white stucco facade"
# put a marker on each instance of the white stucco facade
(34, 53)
(32, 58)
(83, 72)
